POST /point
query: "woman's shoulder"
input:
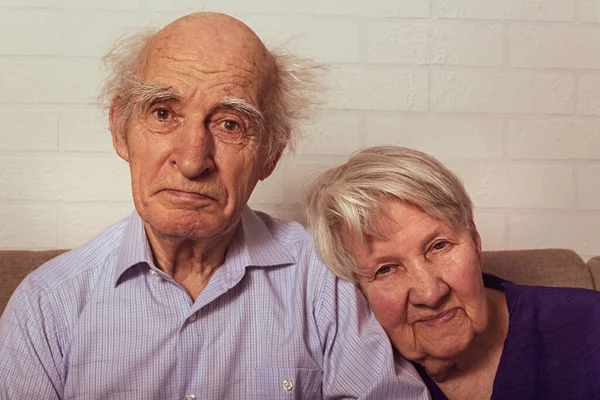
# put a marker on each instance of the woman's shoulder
(545, 298)
(552, 343)
(552, 302)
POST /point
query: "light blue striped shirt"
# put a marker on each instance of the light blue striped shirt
(103, 322)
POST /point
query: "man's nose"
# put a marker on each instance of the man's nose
(193, 151)
(428, 287)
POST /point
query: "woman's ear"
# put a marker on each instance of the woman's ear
(117, 129)
(477, 241)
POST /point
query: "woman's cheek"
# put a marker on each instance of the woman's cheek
(388, 306)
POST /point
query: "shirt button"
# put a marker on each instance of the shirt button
(190, 397)
(153, 272)
(287, 385)
(192, 317)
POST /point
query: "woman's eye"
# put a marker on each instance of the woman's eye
(384, 270)
(439, 245)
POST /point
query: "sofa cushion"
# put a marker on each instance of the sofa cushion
(593, 265)
(15, 265)
(542, 267)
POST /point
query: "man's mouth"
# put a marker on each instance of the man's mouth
(187, 196)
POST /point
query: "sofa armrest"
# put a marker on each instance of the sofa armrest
(594, 267)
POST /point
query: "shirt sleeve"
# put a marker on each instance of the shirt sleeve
(358, 357)
(31, 359)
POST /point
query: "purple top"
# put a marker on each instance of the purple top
(552, 350)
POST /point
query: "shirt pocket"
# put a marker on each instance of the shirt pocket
(284, 383)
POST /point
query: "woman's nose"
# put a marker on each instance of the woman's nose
(428, 287)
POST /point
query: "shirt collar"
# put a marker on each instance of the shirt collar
(134, 247)
(255, 245)
(252, 245)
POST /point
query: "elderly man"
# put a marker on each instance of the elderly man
(195, 295)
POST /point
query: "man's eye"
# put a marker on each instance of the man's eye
(162, 114)
(230, 125)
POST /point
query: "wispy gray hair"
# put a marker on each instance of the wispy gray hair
(288, 99)
(347, 202)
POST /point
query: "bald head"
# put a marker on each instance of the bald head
(217, 29)
(212, 42)
(208, 43)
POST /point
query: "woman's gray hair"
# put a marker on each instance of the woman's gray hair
(346, 202)
(288, 100)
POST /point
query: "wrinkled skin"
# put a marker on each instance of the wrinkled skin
(423, 281)
(193, 162)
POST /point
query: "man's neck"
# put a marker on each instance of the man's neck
(190, 262)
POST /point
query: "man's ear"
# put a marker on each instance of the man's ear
(477, 240)
(117, 130)
(270, 165)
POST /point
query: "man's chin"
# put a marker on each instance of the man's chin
(187, 224)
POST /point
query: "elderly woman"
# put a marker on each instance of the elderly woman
(400, 225)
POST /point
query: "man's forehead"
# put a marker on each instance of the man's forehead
(210, 40)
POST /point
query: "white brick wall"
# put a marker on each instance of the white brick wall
(507, 92)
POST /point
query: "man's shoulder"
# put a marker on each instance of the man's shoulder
(286, 232)
(72, 264)
(297, 242)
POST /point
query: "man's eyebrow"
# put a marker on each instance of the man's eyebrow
(147, 94)
(248, 110)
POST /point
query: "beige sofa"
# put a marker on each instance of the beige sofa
(548, 267)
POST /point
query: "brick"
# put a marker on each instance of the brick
(397, 42)
(85, 130)
(378, 89)
(28, 129)
(510, 10)
(589, 11)
(30, 32)
(300, 174)
(311, 37)
(66, 179)
(589, 94)
(577, 232)
(271, 189)
(503, 92)
(519, 186)
(80, 222)
(379, 8)
(467, 45)
(331, 132)
(588, 195)
(74, 4)
(492, 229)
(442, 137)
(98, 31)
(27, 226)
(556, 138)
(26, 80)
(102, 4)
(224, 6)
(554, 47)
